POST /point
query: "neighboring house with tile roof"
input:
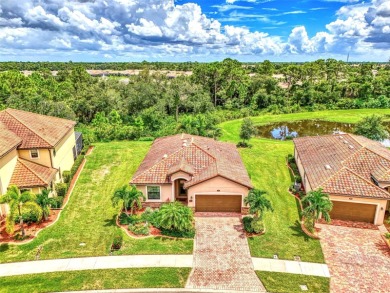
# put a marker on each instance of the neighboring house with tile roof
(34, 150)
(203, 173)
(354, 170)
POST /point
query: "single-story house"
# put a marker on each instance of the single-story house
(203, 173)
(353, 170)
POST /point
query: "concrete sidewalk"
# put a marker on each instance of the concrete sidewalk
(291, 267)
(95, 263)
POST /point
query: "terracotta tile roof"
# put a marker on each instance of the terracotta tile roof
(202, 157)
(337, 159)
(36, 131)
(348, 183)
(381, 173)
(28, 174)
(8, 140)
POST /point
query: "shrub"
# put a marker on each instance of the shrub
(387, 235)
(290, 159)
(125, 219)
(257, 225)
(243, 144)
(28, 217)
(298, 179)
(61, 189)
(57, 202)
(150, 216)
(117, 242)
(66, 176)
(146, 138)
(140, 228)
(247, 222)
(76, 165)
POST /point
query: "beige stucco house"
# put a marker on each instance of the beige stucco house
(203, 173)
(34, 150)
(353, 170)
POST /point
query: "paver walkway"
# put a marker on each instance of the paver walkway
(358, 259)
(95, 263)
(222, 258)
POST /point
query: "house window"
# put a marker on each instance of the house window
(34, 153)
(153, 192)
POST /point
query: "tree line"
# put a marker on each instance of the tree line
(151, 105)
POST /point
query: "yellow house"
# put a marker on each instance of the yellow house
(34, 150)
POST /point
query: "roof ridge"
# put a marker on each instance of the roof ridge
(369, 182)
(35, 174)
(6, 110)
(158, 162)
(334, 174)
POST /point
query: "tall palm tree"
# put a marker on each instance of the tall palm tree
(44, 201)
(19, 201)
(129, 196)
(175, 216)
(258, 203)
(318, 204)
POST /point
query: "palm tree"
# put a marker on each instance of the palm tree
(44, 201)
(129, 196)
(19, 201)
(318, 204)
(258, 203)
(175, 216)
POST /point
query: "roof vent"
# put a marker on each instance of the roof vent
(340, 137)
(165, 156)
(184, 144)
(351, 147)
(346, 142)
(328, 167)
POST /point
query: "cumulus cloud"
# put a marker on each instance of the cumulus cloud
(162, 28)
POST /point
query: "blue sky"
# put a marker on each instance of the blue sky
(190, 30)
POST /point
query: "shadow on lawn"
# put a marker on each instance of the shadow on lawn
(110, 222)
(298, 231)
(4, 247)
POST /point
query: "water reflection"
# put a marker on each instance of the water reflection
(288, 130)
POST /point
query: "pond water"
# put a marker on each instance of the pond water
(287, 130)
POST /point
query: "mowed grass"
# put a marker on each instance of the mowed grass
(89, 216)
(290, 283)
(96, 280)
(230, 129)
(266, 165)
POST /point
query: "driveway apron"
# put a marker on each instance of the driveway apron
(222, 258)
(358, 259)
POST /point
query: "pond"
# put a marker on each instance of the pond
(288, 130)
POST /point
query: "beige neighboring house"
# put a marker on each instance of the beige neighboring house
(204, 174)
(34, 150)
(353, 170)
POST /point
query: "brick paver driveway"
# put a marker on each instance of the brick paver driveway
(221, 256)
(358, 259)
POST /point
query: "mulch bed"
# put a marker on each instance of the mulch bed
(153, 231)
(350, 224)
(32, 229)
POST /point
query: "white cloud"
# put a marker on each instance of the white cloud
(158, 28)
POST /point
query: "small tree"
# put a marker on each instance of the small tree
(258, 203)
(372, 127)
(175, 216)
(317, 204)
(247, 130)
(45, 202)
(19, 201)
(129, 196)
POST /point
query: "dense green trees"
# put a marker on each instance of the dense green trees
(372, 127)
(153, 104)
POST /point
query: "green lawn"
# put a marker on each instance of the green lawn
(96, 279)
(266, 165)
(89, 216)
(289, 283)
